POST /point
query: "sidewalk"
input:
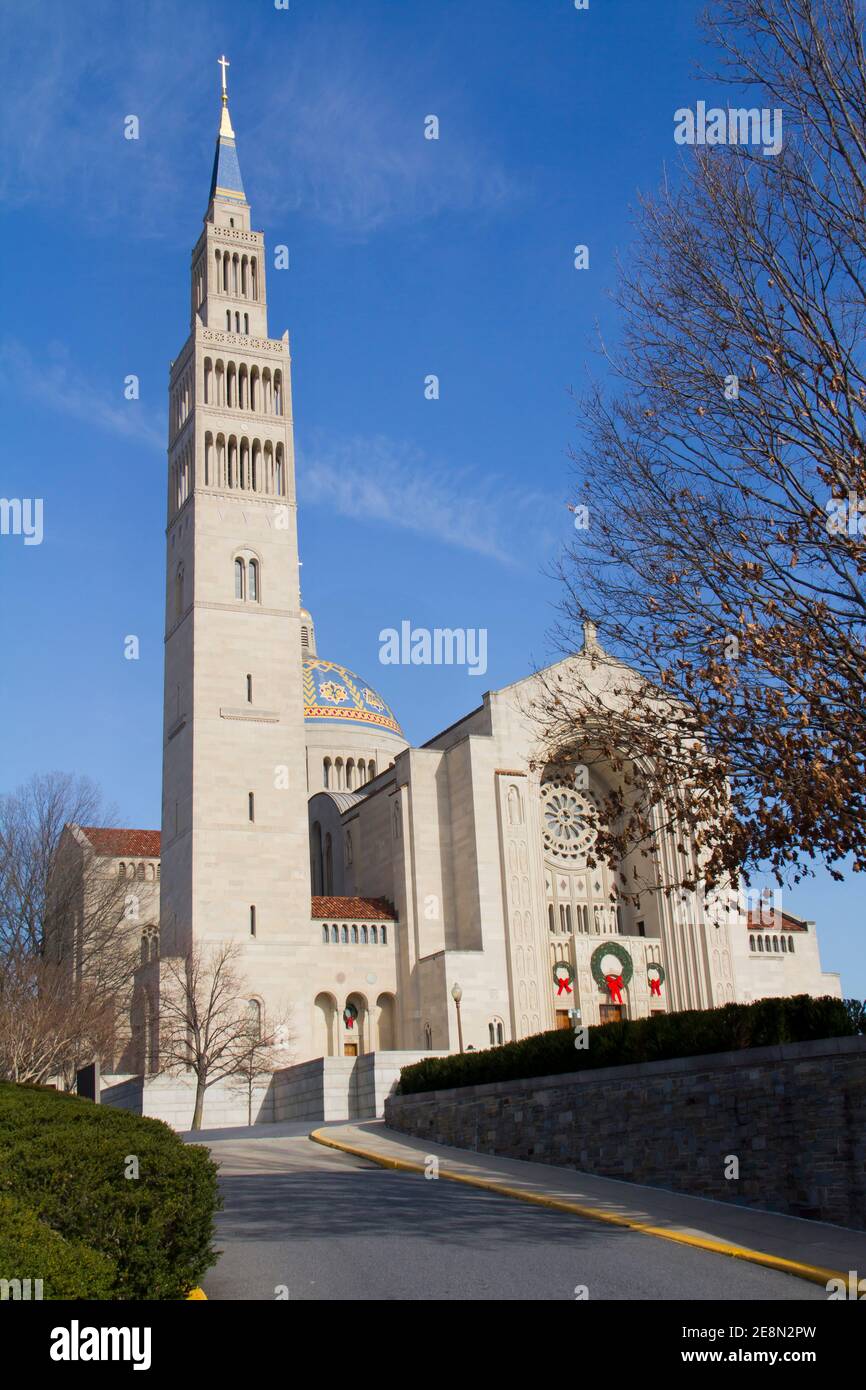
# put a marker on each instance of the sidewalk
(809, 1249)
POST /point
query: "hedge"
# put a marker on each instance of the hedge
(66, 1160)
(30, 1250)
(799, 1018)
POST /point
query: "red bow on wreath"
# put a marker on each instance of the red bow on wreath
(563, 982)
(614, 984)
(655, 985)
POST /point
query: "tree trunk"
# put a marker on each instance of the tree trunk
(199, 1104)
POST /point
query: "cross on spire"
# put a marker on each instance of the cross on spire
(224, 63)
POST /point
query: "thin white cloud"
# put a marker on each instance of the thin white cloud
(377, 479)
(331, 128)
(56, 384)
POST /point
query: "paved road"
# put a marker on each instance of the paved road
(331, 1226)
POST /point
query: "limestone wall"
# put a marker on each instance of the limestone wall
(793, 1116)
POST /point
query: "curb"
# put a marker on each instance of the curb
(813, 1273)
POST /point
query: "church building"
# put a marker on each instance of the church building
(387, 898)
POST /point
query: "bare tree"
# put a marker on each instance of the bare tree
(205, 1024)
(66, 957)
(720, 513)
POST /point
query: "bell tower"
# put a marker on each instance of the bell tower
(235, 857)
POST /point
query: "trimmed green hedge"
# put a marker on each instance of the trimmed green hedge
(66, 1160)
(799, 1018)
(30, 1250)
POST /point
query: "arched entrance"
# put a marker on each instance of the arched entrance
(386, 1023)
(324, 1026)
(355, 1033)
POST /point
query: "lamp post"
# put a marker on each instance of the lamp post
(457, 995)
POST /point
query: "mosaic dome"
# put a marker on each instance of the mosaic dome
(334, 693)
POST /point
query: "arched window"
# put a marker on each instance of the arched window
(350, 774)
(371, 771)
(362, 772)
(550, 918)
(326, 773)
(334, 936)
(562, 919)
(354, 936)
(329, 866)
(500, 1034)
(783, 944)
(252, 921)
(139, 873)
(751, 943)
(374, 936)
(491, 1032)
(760, 943)
(344, 935)
(384, 936)
(325, 935)
(240, 586)
(790, 945)
(428, 1036)
(254, 581)
(365, 939)
(776, 944)
(568, 926)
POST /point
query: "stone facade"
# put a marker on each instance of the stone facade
(793, 1116)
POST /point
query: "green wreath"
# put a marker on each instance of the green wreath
(622, 955)
(656, 965)
(561, 968)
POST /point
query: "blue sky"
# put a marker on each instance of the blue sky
(408, 257)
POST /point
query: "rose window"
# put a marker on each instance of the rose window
(566, 826)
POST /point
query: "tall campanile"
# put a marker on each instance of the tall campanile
(235, 859)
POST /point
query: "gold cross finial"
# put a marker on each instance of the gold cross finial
(224, 63)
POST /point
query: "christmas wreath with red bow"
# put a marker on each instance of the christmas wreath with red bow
(562, 977)
(350, 1013)
(614, 984)
(655, 985)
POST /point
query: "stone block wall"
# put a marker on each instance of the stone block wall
(794, 1117)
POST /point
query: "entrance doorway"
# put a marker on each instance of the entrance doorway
(609, 1013)
(350, 1049)
(562, 1018)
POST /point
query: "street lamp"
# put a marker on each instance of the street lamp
(457, 995)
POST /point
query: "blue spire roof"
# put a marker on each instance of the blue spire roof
(226, 182)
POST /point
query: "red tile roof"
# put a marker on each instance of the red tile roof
(358, 909)
(137, 844)
(782, 921)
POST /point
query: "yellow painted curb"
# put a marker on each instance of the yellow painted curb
(196, 1294)
(814, 1273)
